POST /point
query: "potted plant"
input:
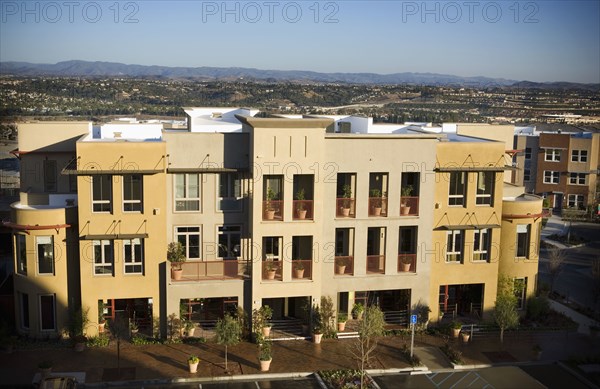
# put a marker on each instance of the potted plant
(101, 319)
(266, 313)
(299, 270)
(133, 327)
(464, 336)
(376, 202)
(193, 362)
(264, 355)
(317, 325)
(270, 209)
(346, 202)
(301, 206)
(176, 255)
(342, 319)
(358, 310)
(406, 263)
(189, 328)
(271, 270)
(45, 368)
(406, 192)
(455, 326)
(340, 265)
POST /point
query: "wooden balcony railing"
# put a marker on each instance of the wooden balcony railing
(407, 263)
(301, 269)
(345, 207)
(303, 209)
(344, 265)
(375, 264)
(273, 210)
(378, 206)
(272, 270)
(409, 206)
(212, 270)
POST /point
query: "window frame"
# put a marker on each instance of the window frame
(269, 243)
(575, 200)
(42, 329)
(21, 253)
(38, 253)
(527, 153)
(102, 202)
(135, 203)
(527, 242)
(481, 245)
(183, 234)
(579, 155)
(50, 176)
(105, 262)
(235, 230)
(553, 175)
(455, 197)
(576, 179)
(187, 198)
(234, 181)
(133, 261)
(451, 243)
(485, 196)
(526, 175)
(552, 155)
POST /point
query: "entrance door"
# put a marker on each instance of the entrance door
(558, 200)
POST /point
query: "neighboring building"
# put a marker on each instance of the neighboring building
(277, 211)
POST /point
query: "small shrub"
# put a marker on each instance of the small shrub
(193, 340)
(140, 340)
(344, 379)
(414, 361)
(98, 341)
(454, 355)
(537, 308)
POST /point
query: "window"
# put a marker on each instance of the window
(527, 152)
(189, 237)
(408, 240)
(72, 183)
(523, 237)
(485, 188)
(454, 246)
(552, 155)
(579, 156)
(575, 201)
(481, 245)
(526, 175)
(102, 193)
(520, 288)
(271, 248)
(187, 192)
(458, 187)
(50, 177)
(103, 257)
(24, 302)
(577, 178)
(230, 192)
(21, 254)
(47, 312)
(132, 193)
(551, 177)
(230, 238)
(45, 254)
(134, 260)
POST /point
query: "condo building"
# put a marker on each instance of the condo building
(276, 211)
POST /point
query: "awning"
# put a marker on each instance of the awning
(114, 236)
(467, 227)
(29, 227)
(472, 169)
(206, 170)
(90, 170)
(485, 226)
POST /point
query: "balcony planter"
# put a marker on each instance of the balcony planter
(357, 311)
(405, 266)
(301, 214)
(346, 202)
(456, 327)
(270, 214)
(193, 362)
(45, 369)
(269, 209)
(176, 255)
(405, 192)
(340, 265)
(299, 270)
(404, 209)
(465, 337)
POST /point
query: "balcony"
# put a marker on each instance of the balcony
(345, 207)
(303, 209)
(407, 263)
(409, 206)
(378, 206)
(375, 264)
(212, 270)
(272, 270)
(273, 210)
(302, 269)
(344, 265)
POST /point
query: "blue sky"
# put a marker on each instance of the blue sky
(522, 40)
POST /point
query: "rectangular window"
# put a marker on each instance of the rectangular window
(481, 245)
(21, 254)
(72, 183)
(526, 175)
(457, 189)
(133, 255)
(579, 156)
(408, 240)
(454, 246)
(190, 239)
(132, 193)
(102, 193)
(103, 257)
(577, 178)
(24, 301)
(271, 248)
(527, 152)
(575, 201)
(50, 176)
(523, 238)
(552, 155)
(551, 177)
(485, 188)
(47, 313)
(45, 254)
(187, 192)
(230, 239)
(230, 192)
(520, 288)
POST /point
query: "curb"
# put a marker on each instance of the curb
(577, 375)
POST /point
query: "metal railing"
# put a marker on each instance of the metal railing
(273, 210)
(375, 264)
(272, 270)
(378, 206)
(301, 269)
(407, 263)
(345, 207)
(212, 270)
(303, 209)
(344, 265)
(409, 206)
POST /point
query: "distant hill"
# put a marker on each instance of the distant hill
(99, 69)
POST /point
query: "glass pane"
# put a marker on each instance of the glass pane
(193, 186)
(179, 186)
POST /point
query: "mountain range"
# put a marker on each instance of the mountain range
(77, 68)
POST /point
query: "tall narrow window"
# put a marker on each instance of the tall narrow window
(190, 239)
(230, 238)
(454, 246)
(24, 301)
(457, 188)
(50, 176)
(523, 238)
(47, 313)
(527, 152)
(271, 248)
(103, 257)
(187, 192)
(132, 193)
(134, 256)
(45, 254)
(526, 175)
(481, 245)
(485, 188)
(579, 156)
(21, 254)
(102, 193)
(230, 192)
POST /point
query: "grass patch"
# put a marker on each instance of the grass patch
(344, 379)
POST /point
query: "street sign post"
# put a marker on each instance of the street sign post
(413, 324)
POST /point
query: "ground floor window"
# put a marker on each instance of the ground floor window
(24, 307)
(520, 287)
(47, 313)
(575, 201)
(204, 309)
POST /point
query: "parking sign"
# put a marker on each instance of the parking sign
(413, 319)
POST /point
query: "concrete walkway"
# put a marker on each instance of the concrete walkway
(583, 321)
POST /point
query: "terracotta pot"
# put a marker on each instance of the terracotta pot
(101, 327)
(191, 332)
(176, 274)
(404, 210)
(345, 212)
(193, 367)
(317, 338)
(405, 267)
(266, 331)
(299, 273)
(271, 274)
(270, 215)
(455, 332)
(376, 211)
(301, 214)
(341, 326)
(340, 269)
(464, 336)
(265, 365)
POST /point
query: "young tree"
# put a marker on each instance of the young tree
(505, 309)
(327, 311)
(556, 259)
(369, 329)
(228, 332)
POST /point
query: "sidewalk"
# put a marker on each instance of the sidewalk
(165, 363)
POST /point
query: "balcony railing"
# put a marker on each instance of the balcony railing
(409, 206)
(272, 270)
(303, 209)
(378, 206)
(345, 207)
(302, 269)
(375, 264)
(344, 265)
(273, 210)
(407, 263)
(212, 270)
